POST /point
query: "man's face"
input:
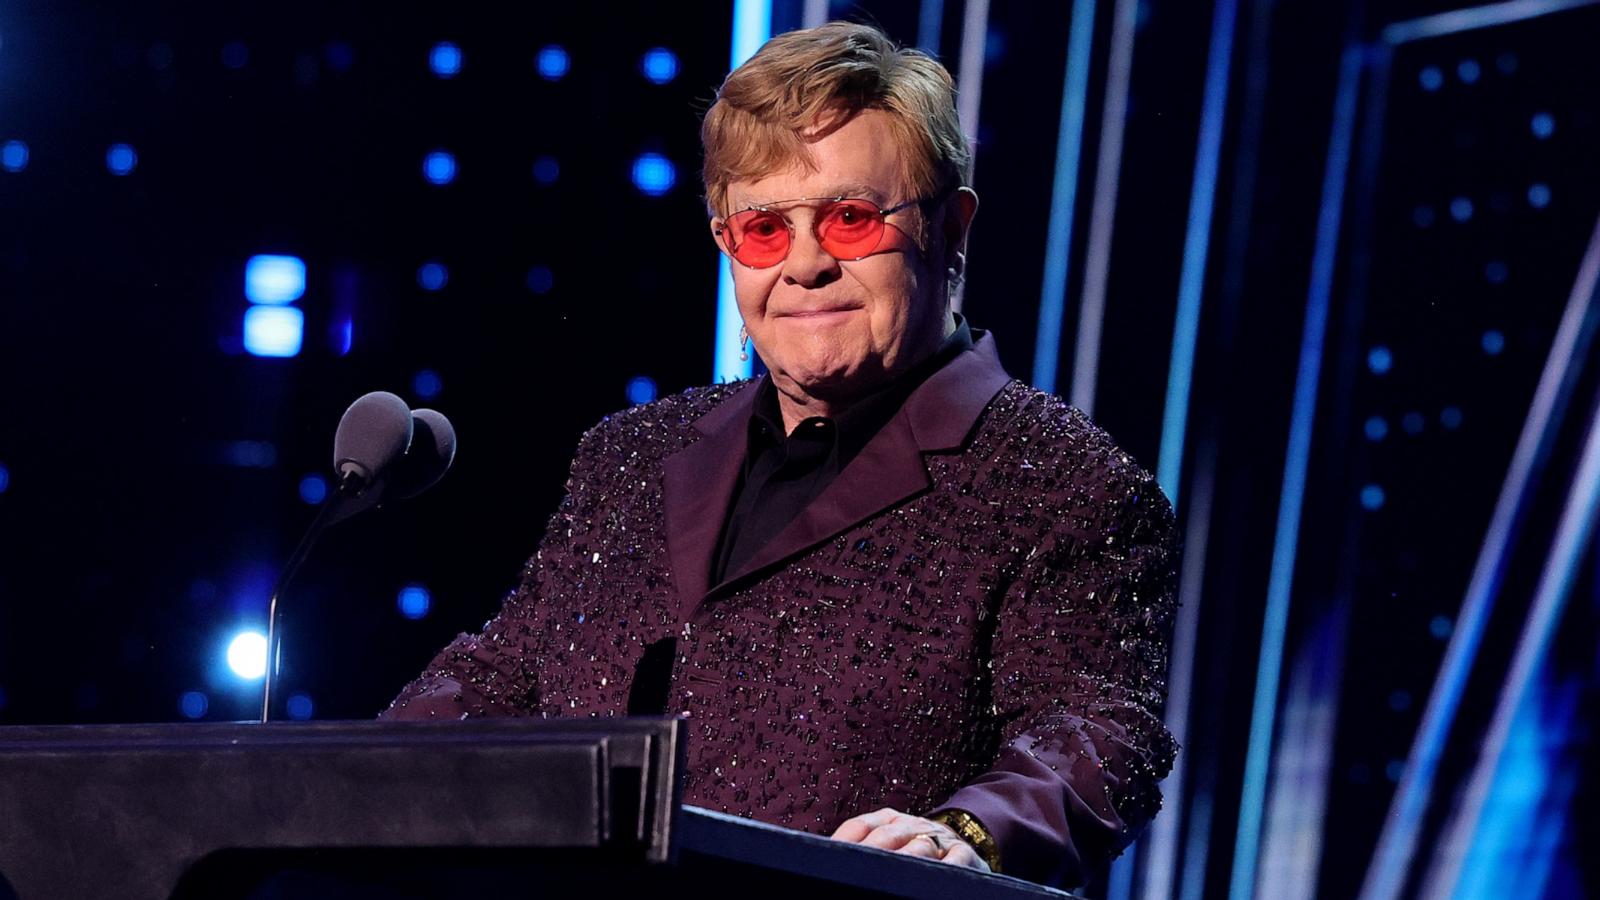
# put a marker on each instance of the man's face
(832, 329)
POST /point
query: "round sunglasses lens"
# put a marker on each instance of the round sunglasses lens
(850, 229)
(758, 238)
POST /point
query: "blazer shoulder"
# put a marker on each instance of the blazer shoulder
(660, 427)
(1025, 423)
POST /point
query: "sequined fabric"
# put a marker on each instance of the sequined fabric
(996, 642)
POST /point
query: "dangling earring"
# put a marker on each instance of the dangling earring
(744, 343)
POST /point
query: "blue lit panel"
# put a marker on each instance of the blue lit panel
(5, 478)
(313, 489)
(273, 331)
(235, 55)
(752, 26)
(541, 280)
(274, 279)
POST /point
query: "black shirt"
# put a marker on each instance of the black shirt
(784, 472)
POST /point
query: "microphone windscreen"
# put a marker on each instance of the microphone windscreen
(433, 448)
(374, 432)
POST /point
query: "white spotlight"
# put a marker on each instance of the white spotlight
(247, 655)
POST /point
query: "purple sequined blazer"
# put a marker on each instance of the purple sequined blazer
(975, 614)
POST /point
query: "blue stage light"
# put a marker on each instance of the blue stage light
(433, 276)
(1538, 195)
(1413, 422)
(1430, 78)
(1450, 417)
(659, 65)
(541, 279)
(250, 454)
(654, 174)
(1400, 701)
(299, 707)
(313, 489)
(1372, 498)
(427, 384)
(1440, 627)
(193, 705)
(340, 56)
(1493, 342)
(1468, 71)
(274, 331)
(554, 62)
(414, 601)
(121, 159)
(14, 156)
(235, 55)
(247, 655)
(343, 334)
(1422, 216)
(1380, 360)
(1543, 125)
(546, 170)
(1496, 272)
(1461, 209)
(1394, 770)
(641, 389)
(274, 279)
(445, 60)
(439, 167)
(1376, 428)
(1506, 63)
(5, 478)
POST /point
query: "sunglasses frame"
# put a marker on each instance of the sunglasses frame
(883, 217)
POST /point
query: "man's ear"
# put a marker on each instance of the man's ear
(954, 227)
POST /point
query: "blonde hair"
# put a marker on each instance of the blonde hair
(803, 85)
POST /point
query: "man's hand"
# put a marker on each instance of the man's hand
(890, 829)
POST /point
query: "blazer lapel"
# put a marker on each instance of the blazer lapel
(697, 485)
(937, 416)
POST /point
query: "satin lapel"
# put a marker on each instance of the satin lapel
(886, 471)
(697, 485)
(938, 416)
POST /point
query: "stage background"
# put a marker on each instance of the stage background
(1321, 267)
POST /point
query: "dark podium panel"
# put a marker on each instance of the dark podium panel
(476, 809)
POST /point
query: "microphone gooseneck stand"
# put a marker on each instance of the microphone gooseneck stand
(350, 487)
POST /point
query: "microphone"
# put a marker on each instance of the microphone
(433, 449)
(380, 448)
(374, 433)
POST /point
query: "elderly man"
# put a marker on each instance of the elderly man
(902, 598)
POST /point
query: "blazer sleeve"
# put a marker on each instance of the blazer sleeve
(493, 672)
(1079, 668)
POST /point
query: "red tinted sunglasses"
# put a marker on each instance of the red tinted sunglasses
(847, 228)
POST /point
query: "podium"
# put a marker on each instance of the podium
(470, 809)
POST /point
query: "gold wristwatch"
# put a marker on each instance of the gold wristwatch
(972, 831)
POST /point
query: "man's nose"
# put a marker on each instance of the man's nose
(808, 265)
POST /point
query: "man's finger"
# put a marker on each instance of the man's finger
(962, 854)
(853, 830)
(924, 845)
(892, 836)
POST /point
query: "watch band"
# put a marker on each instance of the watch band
(972, 831)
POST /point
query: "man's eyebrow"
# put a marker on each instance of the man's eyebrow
(841, 189)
